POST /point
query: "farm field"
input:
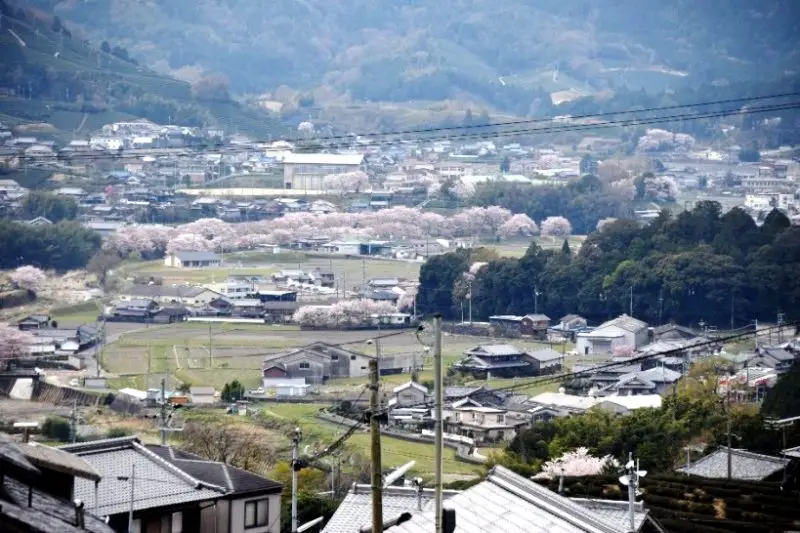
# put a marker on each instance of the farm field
(212, 355)
(517, 248)
(348, 272)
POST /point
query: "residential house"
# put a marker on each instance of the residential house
(317, 363)
(746, 466)
(104, 227)
(499, 360)
(170, 294)
(773, 357)
(604, 374)
(135, 310)
(39, 221)
(619, 333)
(34, 322)
(192, 260)
(534, 325)
(546, 361)
(36, 490)
(306, 172)
(174, 491)
(508, 502)
(481, 395)
(408, 394)
(276, 296)
(291, 275)
(569, 325)
(202, 395)
(652, 381)
(324, 277)
(354, 514)
(485, 424)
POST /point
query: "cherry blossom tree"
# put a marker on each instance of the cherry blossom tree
(493, 218)
(556, 227)
(14, 344)
(624, 351)
(305, 127)
(188, 242)
(463, 190)
(518, 225)
(576, 463)
(343, 313)
(346, 182)
(28, 277)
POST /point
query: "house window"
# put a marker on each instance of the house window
(501, 419)
(305, 366)
(352, 357)
(334, 357)
(255, 513)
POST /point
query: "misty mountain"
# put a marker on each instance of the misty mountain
(502, 53)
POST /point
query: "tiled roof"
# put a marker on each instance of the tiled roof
(59, 461)
(510, 503)
(235, 480)
(494, 349)
(547, 354)
(628, 323)
(744, 465)
(355, 511)
(158, 482)
(153, 291)
(46, 514)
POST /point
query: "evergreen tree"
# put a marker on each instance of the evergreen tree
(56, 27)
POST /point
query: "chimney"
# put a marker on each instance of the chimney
(448, 520)
(79, 514)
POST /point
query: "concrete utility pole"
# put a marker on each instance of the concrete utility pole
(536, 294)
(375, 441)
(728, 422)
(73, 422)
(437, 418)
(163, 412)
(630, 312)
(295, 469)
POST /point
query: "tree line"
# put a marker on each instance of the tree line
(61, 246)
(699, 267)
(583, 202)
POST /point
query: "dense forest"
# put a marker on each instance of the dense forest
(426, 50)
(62, 246)
(697, 266)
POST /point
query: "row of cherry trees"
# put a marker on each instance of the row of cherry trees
(395, 223)
(343, 313)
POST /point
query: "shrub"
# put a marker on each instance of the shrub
(56, 428)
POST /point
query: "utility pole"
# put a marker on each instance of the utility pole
(73, 422)
(755, 332)
(130, 510)
(728, 423)
(630, 312)
(163, 412)
(375, 442)
(470, 302)
(536, 294)
(731, 310)
(661, 306)
(437, 418)
(295, 469)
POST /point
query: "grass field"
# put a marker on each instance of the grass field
(348, 272)
(212, 355)
(395, 452)
(518, 248)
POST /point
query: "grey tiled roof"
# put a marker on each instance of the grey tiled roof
(547, 354)
(59, 461)
(355, 511)
(494, 349)
(157, 483)
(154, 291)
(510, 503)
(197, 256)
(744, 465)
(628, 323)
(234, 480)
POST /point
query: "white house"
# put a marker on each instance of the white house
(192, 260)
(202, 395)
(621, 332)
(282, 387)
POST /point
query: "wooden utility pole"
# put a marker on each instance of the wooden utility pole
(375, 437)
(295, 469)
(437, 418)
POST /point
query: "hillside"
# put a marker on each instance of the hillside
(59, 78)
(512, 54)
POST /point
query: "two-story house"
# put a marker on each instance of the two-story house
(172, 491)
(485, 424)
(499, 360)
(317, 363)
(621, 332)
(409, 394)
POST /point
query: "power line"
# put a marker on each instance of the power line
(468, 136)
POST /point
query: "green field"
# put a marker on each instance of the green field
(349, 272)
(395, 452)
